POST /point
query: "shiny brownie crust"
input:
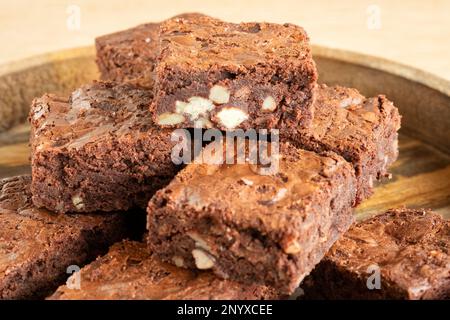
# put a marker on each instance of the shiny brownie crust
(362, 130)
(37, 246)
(130, 55)
(211, 73)
(253, 228)
(129, 271)
(410, 247)
(98, 149)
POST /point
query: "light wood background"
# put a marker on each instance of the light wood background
(413, 32)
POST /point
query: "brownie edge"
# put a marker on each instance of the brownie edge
(130, 55)
(98, 149)
(129, 271)
(212, 73)
(37, 246)
(409, 248)
(251, 227)
(362, 130)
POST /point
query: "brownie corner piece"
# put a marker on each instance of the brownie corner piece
(129, 271)
(362, 130)
(254, 228)
(97, 150)
(407, 249)
(211, 73)
(37, 246)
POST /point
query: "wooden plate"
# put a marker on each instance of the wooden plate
(421, 176)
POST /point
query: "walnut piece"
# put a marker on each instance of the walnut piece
(180, 106)
(168, 119)
(195, 107)
(348, 102)
(219, 94)
(178, 261)
(292, 247)
(231, 117)
(269, 104)
(203, 260)
(78, 202)
(199, 241)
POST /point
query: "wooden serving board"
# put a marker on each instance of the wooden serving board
(421, 175)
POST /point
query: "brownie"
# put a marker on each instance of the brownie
(130, 55)
(411, 248)
(211, 73)
(37, 246)
(269, 228)
(362, 130)
(98, 149)
(129, 271)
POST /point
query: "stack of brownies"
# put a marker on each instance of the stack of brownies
(214, 230)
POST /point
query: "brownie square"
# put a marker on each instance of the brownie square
(37, 246)
(98, 149)
(212, 73)
(130, 55)
(409, 247)
(362, 130)
(269, 229)
(129, 271)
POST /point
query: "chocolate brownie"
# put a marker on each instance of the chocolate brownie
(37, 246)
(362, 130)
(211, 73)
(410, 250)
(130, 55)
(129, 271)
(98, 149)
(269, 228)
